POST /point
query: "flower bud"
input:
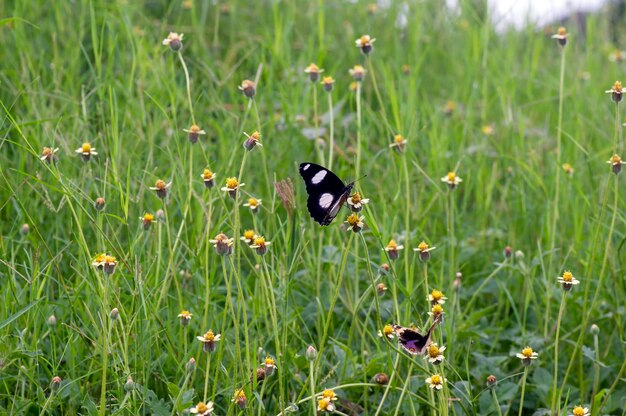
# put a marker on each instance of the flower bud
(115, 313)
(99, 204)
(492, 381)
(190, 367)
(311, 353)
(381, 378)
(595, 330)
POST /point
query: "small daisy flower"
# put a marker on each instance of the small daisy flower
(381, 289)
(248, 88)
(327, 83)
(452, 180)
(356, 202)
(147, 221)
(365, 43)
(387, 331)
(567, 281)
(568, 168)
(160, 187)
(358, 73)
(434, 354)
(260, 245)
(355, 223)
(392, 249)
(174, 41)
(329, 395)
(98, 261)
(99, 203)
(203, 409)
(399, 143)
(208, 178)
(185, 317)
(580, 411)
(488, 130)
(48, 154)
(449, 108)
(435, 382)
(248, 237)
(253, 204)
(209, 339)
(616, 163)
(108, 264)
(616, 91)
(436, 312)
(194, 133)
(232, 185)
(561, 36)
(527, 355)
(437, 297)
(252, 140)
(223, 245)
(424, 250)
(270, 365)
(325, 405)
(240, 398)
(314, 72)
(86, 151)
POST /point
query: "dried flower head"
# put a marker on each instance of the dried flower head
(174, 41)
(203, 409)
(358, 73)
(435, 354)
(399, 143)
(355, 223)
(147, 221)
(248, 88)
(208, 340)
(452, 180)
(208, 178)
(314, 72)
(567, 281)
(435, 382)
(393, 249)
(356, 202)
(260, 245)
(185, 317)
(161, 187)
(365, 43)
(232, 185)
(561, 36)
(252, 140)
(437, 297)
(381, 289)
(223, 245)
(387, 331)
(194, 133)
(48, 154)
(86, 151)
(527, 355)
(616, 163)
(327, 83)
(616, 92)
(424, 250)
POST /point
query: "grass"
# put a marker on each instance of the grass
(501, 110)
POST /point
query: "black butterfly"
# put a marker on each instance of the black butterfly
(327, 193)
(411, 340)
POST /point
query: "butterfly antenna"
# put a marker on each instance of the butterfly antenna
(356, 180)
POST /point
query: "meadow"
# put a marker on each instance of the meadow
(157, 255)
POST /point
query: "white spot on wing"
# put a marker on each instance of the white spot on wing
(326, 199)
(318, 177)
(305, 167)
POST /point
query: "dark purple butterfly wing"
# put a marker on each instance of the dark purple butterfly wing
(411, 340)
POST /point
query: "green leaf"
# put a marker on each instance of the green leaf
(14, 317)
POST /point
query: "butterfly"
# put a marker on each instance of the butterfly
(412, 341)
(327, 193)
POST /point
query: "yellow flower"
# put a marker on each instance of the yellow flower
(616, 91)
(561, 36)
(449, 107)
(436, 296)
(358, 73)
(232, 185)
(194, 132)
(436, 311)
(260, 245)
(527, 355)
(616, 163)
(160, 187)
(147, 220)
(435, 382)
(248, 236)
(223, 244)
(185, 317)
(240, 398)
(365, 43)
(424, 251)
(253, 204)
(48, 154)
(208, 177)
(387, 331)
(86, 151)
(567, 280)
(452, 180)
(203, 409)
(356, 202)
(209, 339)
(252, 140)
(327, 83)
(488, 130)
(568, 168)
(355, 223)
(270, 365)
(392, 249)
(314, 72)
(325, 405)
(435, 355)
(399, 143)
(329, 394)
(580, 411)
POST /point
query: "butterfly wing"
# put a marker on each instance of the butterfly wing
(327, 192)
(412, 341)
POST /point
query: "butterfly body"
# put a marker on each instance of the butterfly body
(411, 340)
(327, 193)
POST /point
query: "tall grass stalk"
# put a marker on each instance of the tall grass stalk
(555, 386)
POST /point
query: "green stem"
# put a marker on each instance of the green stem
(312, 384)
(521, 403)
(331, 140)
(495, 401)
(182, 61)
(555, 385)
(358, 129)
